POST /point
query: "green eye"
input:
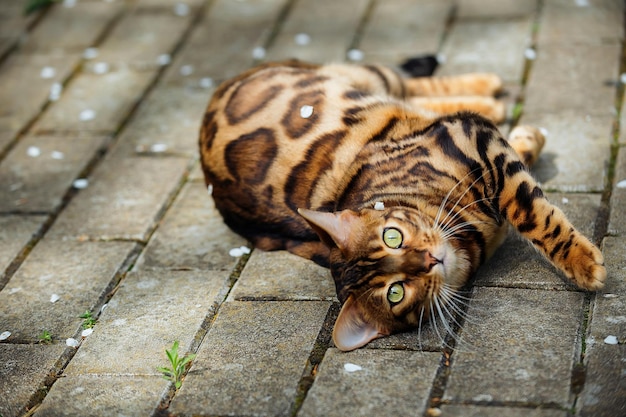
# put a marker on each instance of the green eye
(392, 237)
(395, 293)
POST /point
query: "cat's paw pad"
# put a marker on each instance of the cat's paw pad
(527, 142)
(586, 266)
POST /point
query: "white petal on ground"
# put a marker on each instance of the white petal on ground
(206, 82)
(181, 9)
(54, 298)
(351, 367)
(5, 335)
(543, 131)
(610, 340)
(258, 52)
(101, 68)
(57, 155)
(610, 295)
(69, 3)
(565, 200)
(86, 115)
(379, 205)
(235, 252)
(302, 39)
(90, 53)
(164, 59)
(72, 342)
(530, 53)
(622, 78)
(47, 72)
(80, 183)
(209, 189)
(55, 91)
(86, 332)
(33, 151)
(186, 70)
(621, 184)
(245, 250)
(158, 147)
(14, 290)
(306, 111)
(355, 55)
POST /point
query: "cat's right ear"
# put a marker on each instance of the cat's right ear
(351, 330)
(334, 229)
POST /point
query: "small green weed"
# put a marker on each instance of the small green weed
(34, 5)
(175, 373)
(45, 337)
(88, 320)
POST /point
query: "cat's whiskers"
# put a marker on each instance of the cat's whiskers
(445, 200)
(451, 210)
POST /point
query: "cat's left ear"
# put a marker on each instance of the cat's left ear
(334, 229)
(351, 330)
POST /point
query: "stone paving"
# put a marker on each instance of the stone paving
(103, 209)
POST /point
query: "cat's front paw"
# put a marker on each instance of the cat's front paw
(586, 265)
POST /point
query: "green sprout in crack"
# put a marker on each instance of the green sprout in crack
(34, 5)
(45, 337)
(175, 373)
(88, 320)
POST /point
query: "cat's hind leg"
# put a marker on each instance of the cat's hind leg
(475, 84)
(488, 107)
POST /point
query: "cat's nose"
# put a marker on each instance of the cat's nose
(430, 261)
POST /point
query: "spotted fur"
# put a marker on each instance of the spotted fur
(417, 156)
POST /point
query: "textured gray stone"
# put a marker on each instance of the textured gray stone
(38, 184)
(192, 236)
(496, 8)
(103, 395)
(487, 46)
(251, 361)
(20, 76)
(79, 272)
(24, 370)
(604, 392)
(576, 153)
(138, 325)
(491, 411)
(617, 220)
(389, 383)
(519, 343)
(170, 116)
(329, 39)
(517, 264)
(283, 276)
(110, 96)
(562, 20)
(5, 138)
(69, 30)
(244, 24)
(392, 36)
(573, 77)
(15, 232)
(123, 198)
(139, 38)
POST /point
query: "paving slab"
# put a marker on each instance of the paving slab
(101, 395)
(388, 383)
(15, 233)
(166, 123)
(328, 39)
(283, 276)
(138, 39)
(573, 77)
(123, 198)
(518, 264)
(24, 371)
(192, 236)
(617, 220)
(69, 30)
(40, 170)
(496, 8)
(78, 272)
(519, 343)
(252, 359)
(391, 37)
(561, 21)
(137, 325)
(21, 76)
(577, 150)
(95, 102)
(246, 25)
(6, 137)
(604, 393)
(478, 411)
(487, 46)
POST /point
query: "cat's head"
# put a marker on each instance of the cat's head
(388, 265)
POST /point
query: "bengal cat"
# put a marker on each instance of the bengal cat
(391, 182)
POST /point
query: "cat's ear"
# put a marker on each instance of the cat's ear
(333, 228)
(351, 330)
